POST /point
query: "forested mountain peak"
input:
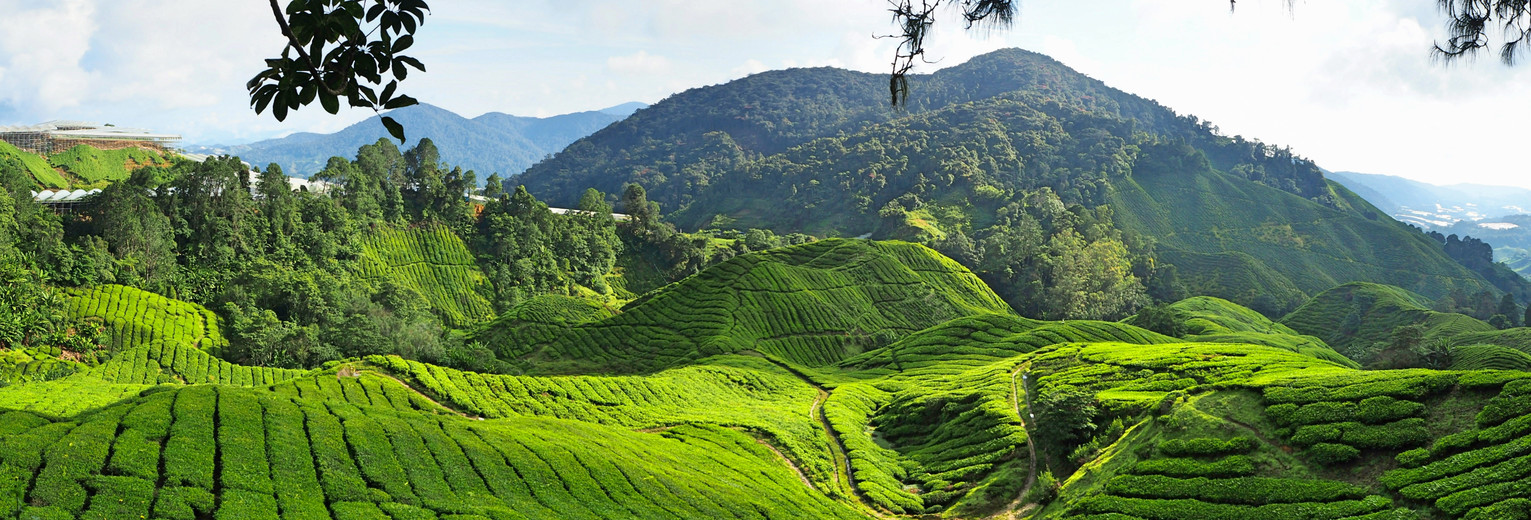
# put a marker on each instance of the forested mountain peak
(963, 167)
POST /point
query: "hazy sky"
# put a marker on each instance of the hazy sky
(1350, 84)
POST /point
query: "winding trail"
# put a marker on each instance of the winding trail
(1017, 509)
(375, 370)
(841, 462)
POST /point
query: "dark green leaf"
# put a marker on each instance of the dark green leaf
(330, 101)
(400, 102)
(394, 129)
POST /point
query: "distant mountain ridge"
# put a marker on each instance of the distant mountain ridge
(490, 143)
(820, 151)
(1432, 206)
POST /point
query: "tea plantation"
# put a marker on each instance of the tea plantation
(433, 262)
(839, 379)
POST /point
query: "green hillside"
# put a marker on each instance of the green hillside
(1215, 320)
(136, 317)
(93, 165)
(1237, 219)
(812, 304)
(432, 261)
(1359, 319)
(80, 167)
(36, 167)
(922, 396)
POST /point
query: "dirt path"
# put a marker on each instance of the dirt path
(841, 462)
(374, 370)
(800, 475)
(1017, 508)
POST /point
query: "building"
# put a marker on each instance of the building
(63, 202)
(57, 136)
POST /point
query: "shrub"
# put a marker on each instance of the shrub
(1230, 466)
(1381, 409)
(183, 503)
(1413, 458)
(1241, 490)
(1202, 447)
(1329, 454)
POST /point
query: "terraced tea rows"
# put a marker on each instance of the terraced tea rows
(138, 318)
(362, 448)
(839, 292)
(434, 262)
(736, 391)
(1480, 472)
(1215, 320)
(1355, 316)
(539, 319)
(161, 362)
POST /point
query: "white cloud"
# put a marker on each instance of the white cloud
(41, 48)
(1350, 84)
(640, 63)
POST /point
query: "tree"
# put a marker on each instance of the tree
(915, 18)
(1510, 310)
(1064, 415)
(1471, 22)
(1159, 318)
(343, 49)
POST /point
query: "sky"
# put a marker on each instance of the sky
(1349, 84)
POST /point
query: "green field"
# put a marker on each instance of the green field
(138, 318)
(93, 165)
(37, 167)
(433, 262)
(957, 415)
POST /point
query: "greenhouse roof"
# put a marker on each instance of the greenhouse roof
(61, 196)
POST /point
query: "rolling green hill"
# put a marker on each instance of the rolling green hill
(812, 304)
(1358, 319)
(136, 317)
(814, 150)
(967, 411)
(1215, 320)
(432, 261)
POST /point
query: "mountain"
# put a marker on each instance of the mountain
(490, 143)
(1432, 206)
(819, 151)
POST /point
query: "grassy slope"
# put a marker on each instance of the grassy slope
(36, 166)
(434, 262)
(1239, 240)
(931, 423)
(812, 304)
(1215, 320)
(93, 165)
(1355, 317)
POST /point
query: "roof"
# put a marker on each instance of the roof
(61, 196)
(85, 130)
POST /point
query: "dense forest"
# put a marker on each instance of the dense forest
(300, 278)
